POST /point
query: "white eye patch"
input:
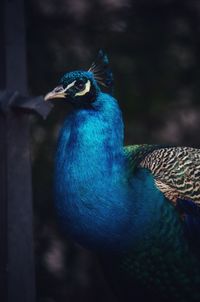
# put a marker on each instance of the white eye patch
(86, 90)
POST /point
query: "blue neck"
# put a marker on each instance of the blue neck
(91, 140)
(95, 199)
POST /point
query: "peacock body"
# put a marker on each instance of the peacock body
(136, 206)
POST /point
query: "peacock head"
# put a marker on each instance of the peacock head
(82, 87)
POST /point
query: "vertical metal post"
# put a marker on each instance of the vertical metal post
(21, 277)
(17, 276)
(3, 173)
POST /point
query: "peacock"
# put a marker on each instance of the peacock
(137, 207)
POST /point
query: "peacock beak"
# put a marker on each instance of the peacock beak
(58, 92)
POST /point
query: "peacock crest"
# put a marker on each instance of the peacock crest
(102, 71)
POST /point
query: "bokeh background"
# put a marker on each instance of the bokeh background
(154, 50)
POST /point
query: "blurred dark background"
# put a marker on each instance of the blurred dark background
(154, 50)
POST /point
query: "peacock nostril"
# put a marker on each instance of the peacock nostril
(58, 89)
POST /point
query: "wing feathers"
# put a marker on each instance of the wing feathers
(176, 171)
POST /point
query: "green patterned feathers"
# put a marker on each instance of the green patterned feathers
(176, 170)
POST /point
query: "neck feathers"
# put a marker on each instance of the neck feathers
(92, 139)
(98, 127)
(89, 165)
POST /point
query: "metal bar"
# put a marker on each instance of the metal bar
(3, 211)
(21, 279)
(2, 48)
(17, 274)
(16, 73)
(3, 173)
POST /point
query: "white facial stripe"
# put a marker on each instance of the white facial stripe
(70, 85)
(86, 90)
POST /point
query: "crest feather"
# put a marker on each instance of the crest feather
(101, 71)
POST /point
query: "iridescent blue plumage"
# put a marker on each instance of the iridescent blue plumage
(109, 199)
(91, 180)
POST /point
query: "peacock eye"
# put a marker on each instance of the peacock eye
(80, 84)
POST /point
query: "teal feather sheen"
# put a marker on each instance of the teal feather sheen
(92, 183)
(111, 205)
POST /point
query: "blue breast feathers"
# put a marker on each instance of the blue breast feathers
(97, 201)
